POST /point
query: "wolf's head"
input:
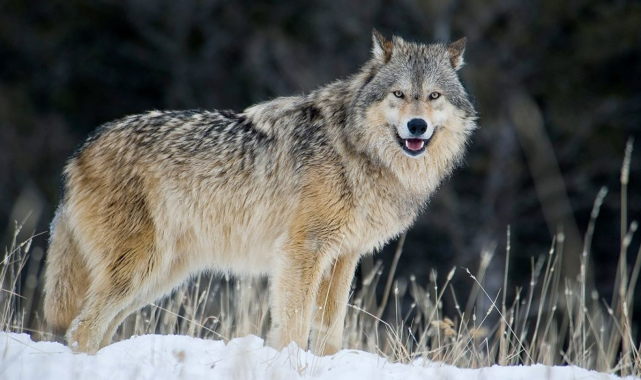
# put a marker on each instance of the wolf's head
(412, 106)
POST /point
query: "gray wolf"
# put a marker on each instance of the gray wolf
(297, 189)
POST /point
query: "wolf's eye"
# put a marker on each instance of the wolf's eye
(398, 94)
(435, 95)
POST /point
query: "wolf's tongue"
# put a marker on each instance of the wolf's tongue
(414, 144)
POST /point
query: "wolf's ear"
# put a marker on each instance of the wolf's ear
(382, 48)
(456, 50)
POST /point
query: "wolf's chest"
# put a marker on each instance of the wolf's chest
(378, 219)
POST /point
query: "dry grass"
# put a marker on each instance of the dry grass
(555, 320)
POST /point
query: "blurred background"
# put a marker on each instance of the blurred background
(557, 85)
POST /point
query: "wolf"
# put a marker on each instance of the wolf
(297, 189)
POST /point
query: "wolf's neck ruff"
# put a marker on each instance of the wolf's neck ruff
(297, 188)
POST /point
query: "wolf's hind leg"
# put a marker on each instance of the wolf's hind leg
(112, 295)
(331, 303)
(155, 286)
(105, 309)
(118, 319)
(65, 278)
(87, 331)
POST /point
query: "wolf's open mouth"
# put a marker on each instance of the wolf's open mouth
(413, 147)
(414, 144)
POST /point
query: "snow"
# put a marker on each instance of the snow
(181, 357)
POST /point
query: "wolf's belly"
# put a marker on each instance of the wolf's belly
(243, 241)
(244, 255)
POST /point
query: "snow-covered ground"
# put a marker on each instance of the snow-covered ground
(181, 357)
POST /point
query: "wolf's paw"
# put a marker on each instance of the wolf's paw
(80, 340)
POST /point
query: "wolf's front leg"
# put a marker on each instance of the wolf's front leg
(294, 287)
(331, 305)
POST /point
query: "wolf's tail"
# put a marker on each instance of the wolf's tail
(66, 277)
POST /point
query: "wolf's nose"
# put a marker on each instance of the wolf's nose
(417, 126)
